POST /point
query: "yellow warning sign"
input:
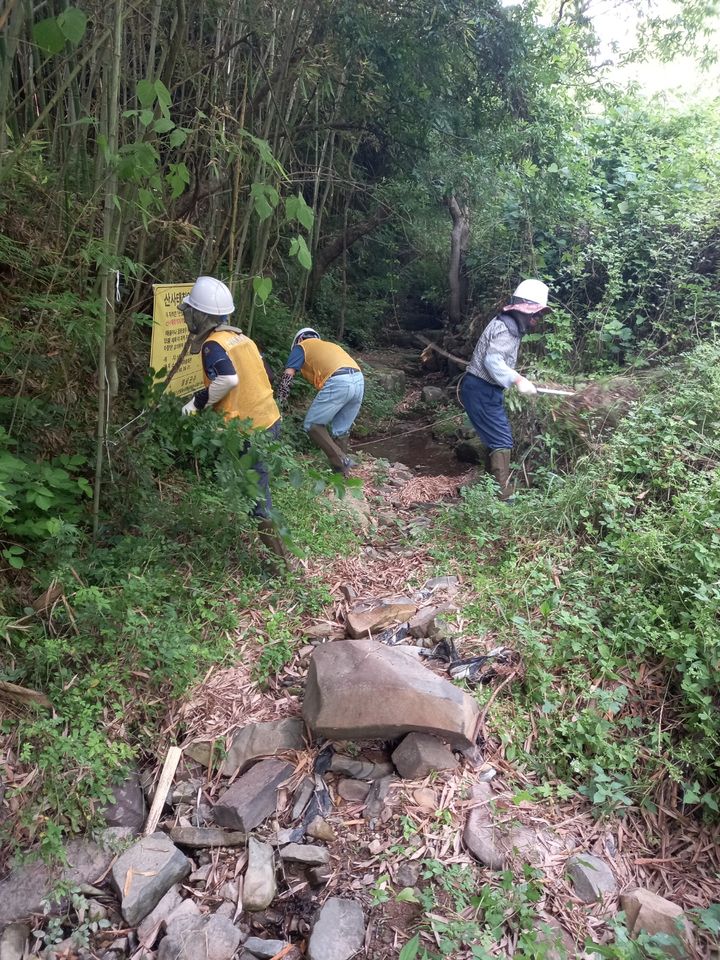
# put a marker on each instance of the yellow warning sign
(169, 334)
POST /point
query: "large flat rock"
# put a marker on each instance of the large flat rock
(24, 888)
(253, 796)
(144, 874)
(258, 740)
(372, 616)
(360, 689)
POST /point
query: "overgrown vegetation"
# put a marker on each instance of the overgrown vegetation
(612, 599)
(363, 167)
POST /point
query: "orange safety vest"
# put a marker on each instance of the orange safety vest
(252, 399)
(322, 359)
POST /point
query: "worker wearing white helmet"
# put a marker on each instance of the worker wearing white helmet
(340, 385)
(492, 371)
(236, 381)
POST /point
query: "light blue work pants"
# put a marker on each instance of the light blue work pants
(337, 403)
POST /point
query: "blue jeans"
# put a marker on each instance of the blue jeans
(337, 403)
(484, 406)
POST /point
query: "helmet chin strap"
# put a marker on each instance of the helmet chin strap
(199, 325)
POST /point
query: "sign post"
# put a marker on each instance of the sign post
(169, 334)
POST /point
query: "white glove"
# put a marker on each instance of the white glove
(526, 387)
(189, 408)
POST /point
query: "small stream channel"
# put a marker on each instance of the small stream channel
(418, 450)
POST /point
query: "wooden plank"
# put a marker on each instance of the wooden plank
(164, 783)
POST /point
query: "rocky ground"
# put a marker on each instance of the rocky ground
(363, 792)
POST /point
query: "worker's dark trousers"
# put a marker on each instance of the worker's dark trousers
(263, 507)
(484, 406)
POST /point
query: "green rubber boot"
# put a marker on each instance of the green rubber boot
(500, 470)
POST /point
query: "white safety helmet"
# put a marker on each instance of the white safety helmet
(210, 296)
(530, 296)
(305, 333)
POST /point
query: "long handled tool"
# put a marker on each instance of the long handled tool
(551, 392)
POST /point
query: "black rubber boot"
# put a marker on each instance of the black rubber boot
(500, 469)
(321, 438)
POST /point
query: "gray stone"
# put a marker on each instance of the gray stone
(376, 798)
(361, 689)
(419, 754)
(155, 921)
(426, 622)
(201, 874)
(554, 938)
(339, 931)
(144, 874)
(128, 808)
(495, 841)
(591, 877)
(646, 911)
(442, 583)
(253, 796)
(309, 854)
(200, 837)
(354, 791)
(302, 795)
(263, 948)
(319, 876)
(320, 829)
(359, 769)
(13, 941)
(212, 938)
(392, 381)
(186, 791)
(26, 887)
(432, 396)
(408, 873)
(262, 740)
(374, 616)
(201, 752)
(259, 888)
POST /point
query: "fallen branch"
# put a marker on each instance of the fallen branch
(437, 349)
(24, 695)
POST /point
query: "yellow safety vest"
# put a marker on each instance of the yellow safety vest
(322, 359)
(252, 399)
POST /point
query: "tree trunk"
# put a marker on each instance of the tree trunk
(457, 273)
(328, 254)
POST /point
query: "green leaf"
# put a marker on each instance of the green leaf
(48, 36)
(73, 23)
(163, 125)
(262, 287)
(145, 93)
(553, 168)
(146, 117)
(411, 949)
(623, 206)
(303, 254)
(407, 895)
(297, 209)
(177, 137)
(163, 94)
(265, 199)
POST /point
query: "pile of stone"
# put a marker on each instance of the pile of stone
(270, 823)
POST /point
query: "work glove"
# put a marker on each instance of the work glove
(189, 408)
(283, 390)
(525, 387)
